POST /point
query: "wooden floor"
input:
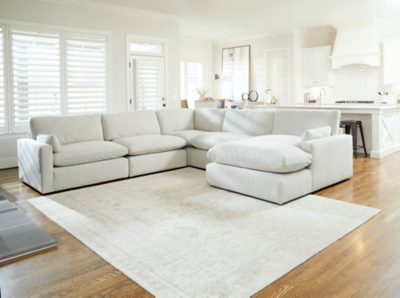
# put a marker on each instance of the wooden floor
(365, 263)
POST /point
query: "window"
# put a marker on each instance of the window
(191, 79)
(52, 72)
(2, 84)
(86, 74)
(146, 48)
(35, 76)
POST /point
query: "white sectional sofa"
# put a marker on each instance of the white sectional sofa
(74, 151)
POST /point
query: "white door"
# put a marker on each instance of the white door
(147, 83)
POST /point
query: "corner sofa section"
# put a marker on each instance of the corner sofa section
(91, 149)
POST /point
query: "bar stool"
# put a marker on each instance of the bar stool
(353, 124)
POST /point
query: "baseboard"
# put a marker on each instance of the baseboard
(385, 152)
(10, 162)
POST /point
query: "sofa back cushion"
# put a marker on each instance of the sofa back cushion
(296, 122)
(175, 119)
(249, 122)
(122, 125)
(209, 119)
(68, 129)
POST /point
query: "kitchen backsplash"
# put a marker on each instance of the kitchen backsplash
(356, 83)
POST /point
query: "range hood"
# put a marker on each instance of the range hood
(357, 44)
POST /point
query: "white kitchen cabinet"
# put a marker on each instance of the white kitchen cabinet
(391, 62)
(317, 66)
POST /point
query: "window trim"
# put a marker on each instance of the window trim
(141, 38)
(6, 24)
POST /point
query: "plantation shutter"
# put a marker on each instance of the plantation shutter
(86, 73)
(149, 83)
(35, 75)
(2, 83)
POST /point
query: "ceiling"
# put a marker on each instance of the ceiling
(225, 19)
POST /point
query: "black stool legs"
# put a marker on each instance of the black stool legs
(352, 124)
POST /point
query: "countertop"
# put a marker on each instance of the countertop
(340, 106)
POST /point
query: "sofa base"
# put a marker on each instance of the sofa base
(197, 158)
(90, 173)
(156, 162)
(272, 187)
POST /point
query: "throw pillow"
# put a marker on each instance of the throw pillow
(313, 134)
(51, 140)
(271, 156)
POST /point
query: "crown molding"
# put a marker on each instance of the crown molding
(130, 11)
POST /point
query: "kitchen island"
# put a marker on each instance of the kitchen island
(381, 123)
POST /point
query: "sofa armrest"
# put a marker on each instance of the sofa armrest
(332, 160)
(35, 164)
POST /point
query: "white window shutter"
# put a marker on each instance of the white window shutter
(86, 73)
(149, 83)
(35, 75)
(2, 83)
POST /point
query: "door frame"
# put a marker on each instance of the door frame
(129, 67)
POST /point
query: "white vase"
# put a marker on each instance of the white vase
(202, 97)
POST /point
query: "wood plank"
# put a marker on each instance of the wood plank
(364, 263)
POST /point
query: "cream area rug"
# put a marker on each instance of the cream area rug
(178, 237)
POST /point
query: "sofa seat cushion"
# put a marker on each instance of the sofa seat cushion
(139, 145)
(187, 135)
(287, 139)
(210, 139)
(271, 156)
(86, 152)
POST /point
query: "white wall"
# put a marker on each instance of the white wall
(119, 25)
